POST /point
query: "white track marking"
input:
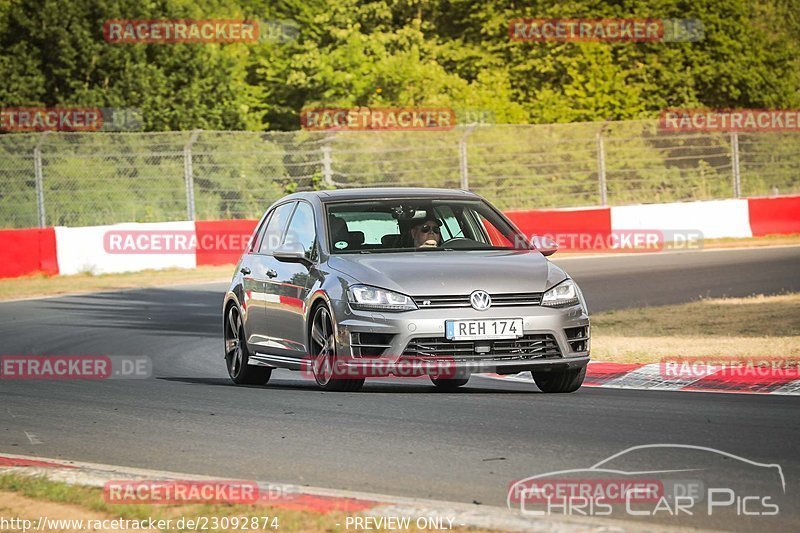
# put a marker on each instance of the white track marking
(463, 514)
(33, 438)
(578, 256)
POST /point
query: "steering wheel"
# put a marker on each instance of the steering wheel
(454, 240)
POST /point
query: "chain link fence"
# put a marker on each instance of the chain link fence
(79, 179)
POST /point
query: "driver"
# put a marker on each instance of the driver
(426, 234)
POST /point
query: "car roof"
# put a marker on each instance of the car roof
(387, 192)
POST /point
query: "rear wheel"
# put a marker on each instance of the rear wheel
(449, 384)
(236, 354)
(560, 381)
(324, 363)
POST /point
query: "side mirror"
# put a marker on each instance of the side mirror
(291, 252)
(545, 245)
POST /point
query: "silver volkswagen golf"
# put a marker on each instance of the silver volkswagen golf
(350, 284)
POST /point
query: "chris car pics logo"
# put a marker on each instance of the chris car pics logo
(656, 480)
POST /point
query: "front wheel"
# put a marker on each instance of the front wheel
(568, 380)
(327, 370)
(236, 354)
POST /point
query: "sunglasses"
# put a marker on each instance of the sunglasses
(427, 228)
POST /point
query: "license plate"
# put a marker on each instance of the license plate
(490, 328)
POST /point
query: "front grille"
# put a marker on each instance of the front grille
(534, 346)
(498, 300)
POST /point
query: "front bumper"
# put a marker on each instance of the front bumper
(400, 329)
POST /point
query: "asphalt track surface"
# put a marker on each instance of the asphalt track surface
(394, 437)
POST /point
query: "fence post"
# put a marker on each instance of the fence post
(463, 164)
(188, 174)
(39, 179)
(601, 169)
(737, 180)
(327, 166)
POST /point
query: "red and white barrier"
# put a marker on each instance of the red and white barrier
(63, 250)
(714, 219)
(27, 251)
(89, 249)
(592, 221)
(769, 216)
(213, 247)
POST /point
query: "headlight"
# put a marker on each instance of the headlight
(582, 299)
(562, 295)
(375, 299)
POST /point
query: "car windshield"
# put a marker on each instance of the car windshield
(368, 226)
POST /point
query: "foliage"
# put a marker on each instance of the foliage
(427, 53)
(397, 53)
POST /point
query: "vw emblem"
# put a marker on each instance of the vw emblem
(480, 300)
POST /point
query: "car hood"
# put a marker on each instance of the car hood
(452, 272)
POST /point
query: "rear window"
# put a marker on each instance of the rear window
(374, 225)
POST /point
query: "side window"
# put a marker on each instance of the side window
(495, 236)
(302, 230)
(450, 226)
(256, 238)
(274, 231)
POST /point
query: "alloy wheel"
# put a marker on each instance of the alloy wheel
(233, 343)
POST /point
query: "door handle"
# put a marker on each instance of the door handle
(244, 270)
(271, 273)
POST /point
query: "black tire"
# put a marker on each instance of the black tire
(449, 384)
(323, 352)
(560, 381)
(237, 355)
